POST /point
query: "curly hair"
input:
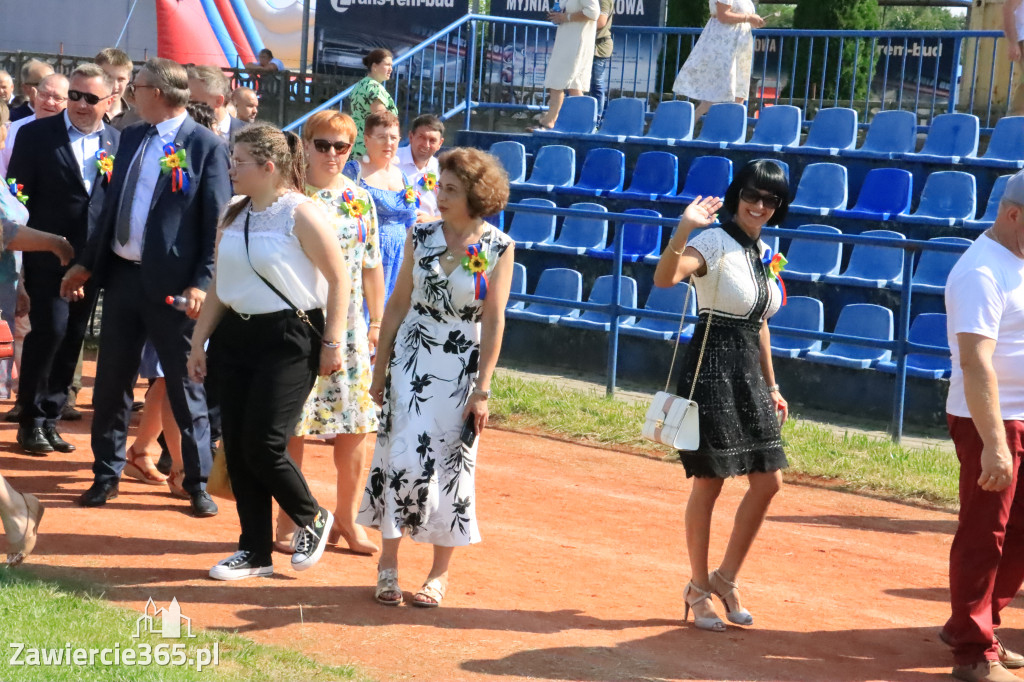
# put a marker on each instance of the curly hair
(482, 175)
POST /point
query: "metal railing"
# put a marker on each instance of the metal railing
(900, 346)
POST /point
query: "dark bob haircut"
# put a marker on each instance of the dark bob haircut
(763, 175)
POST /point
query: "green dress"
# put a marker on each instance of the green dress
(366, 93)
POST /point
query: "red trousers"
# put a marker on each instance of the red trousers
(986, 561)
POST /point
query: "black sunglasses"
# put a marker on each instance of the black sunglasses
(324, 146)
(752, 196)
(90, 99)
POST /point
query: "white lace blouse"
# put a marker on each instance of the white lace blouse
(738, 290)
(277, 255)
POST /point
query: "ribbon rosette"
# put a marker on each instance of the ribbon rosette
(173, 162)
(105, 163)
(475, 262)
(412, 197)
(429, 181)
(355, 208)
(776, 264)
(16, 192)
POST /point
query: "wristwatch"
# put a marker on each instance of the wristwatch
(481, 392)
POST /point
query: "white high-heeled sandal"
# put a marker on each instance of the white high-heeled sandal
(693, 595)
(739, 616)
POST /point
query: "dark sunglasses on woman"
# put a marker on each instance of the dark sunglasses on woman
(752, 196)
(324, 146)
(90, 99)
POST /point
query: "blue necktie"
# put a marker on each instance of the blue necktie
(124, 213)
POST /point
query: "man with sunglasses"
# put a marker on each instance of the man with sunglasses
(58, 160)
(32, 74)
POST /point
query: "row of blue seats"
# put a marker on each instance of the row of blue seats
(800, 312)
(947, 200)
(952, 138)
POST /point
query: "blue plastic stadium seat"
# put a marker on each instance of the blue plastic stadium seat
(553, 166)
(927, 329)
(832, 131)
(623, 117)
(578, 116)
(772, 242)
(666, 300)
(891, 133)
(992, 209)
(561, 283)
(579, 234)
(708, 176)
(800, 312)
(948, 198)
(1005, 145)
(933, 268)
(862, 320)
(810, 260)
(724, 124)
(777, 127)
(823, 188)
(673, 122)
(638, 241)
(951, 137)
(603, 170)
(602, 293)
(518, 286)
(513, 157)
(885, 193)
(655, 173)
(528, 229)
(870, 265)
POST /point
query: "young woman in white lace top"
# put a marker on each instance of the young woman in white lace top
(278, 268)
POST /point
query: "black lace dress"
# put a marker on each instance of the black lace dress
(739, 431)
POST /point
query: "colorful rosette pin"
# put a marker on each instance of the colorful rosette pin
(173, 162)
(412, 197)
(776, 263)
(355, 208)
(475, 262)
(105, 163)
(16, 192)
(429, 182)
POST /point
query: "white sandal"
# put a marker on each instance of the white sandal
(387, 582)
(432, 589)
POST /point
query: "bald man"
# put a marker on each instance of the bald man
(32, 74)
(6, 87)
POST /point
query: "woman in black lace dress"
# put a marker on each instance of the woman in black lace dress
(740, 406)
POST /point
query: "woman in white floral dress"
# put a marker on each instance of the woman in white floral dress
(340, 404)
(718, 68)
(442, 335)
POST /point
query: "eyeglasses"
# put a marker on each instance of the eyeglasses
(324, 146)
(56, 99)
(90, 99)
(132, 87)
(752, 196)
(384, 138)
(235, 163)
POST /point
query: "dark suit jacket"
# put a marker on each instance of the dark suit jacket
(24, 111)
(181, 229)
(236, 126)
(43, 161)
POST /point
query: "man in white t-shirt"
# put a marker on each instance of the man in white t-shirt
(419, 165)
(985, 325)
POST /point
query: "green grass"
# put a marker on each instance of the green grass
(853, 462)
(46, 614)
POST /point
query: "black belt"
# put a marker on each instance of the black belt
(276, 315)
(126, 261)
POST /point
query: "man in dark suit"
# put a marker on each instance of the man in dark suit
(209, 85)
(32, 73)
(59, 160)
(155, 239)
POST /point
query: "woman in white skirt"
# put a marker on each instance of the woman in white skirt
(572, 55)
(718, 68)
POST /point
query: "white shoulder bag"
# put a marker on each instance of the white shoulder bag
(672, 420)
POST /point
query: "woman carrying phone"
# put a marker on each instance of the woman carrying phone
(740, 406)
(441, 334)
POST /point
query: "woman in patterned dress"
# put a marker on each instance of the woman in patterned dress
(394, 196)
(340, 404)
(718, 68)
(370, 96)
(442, 335)
(740, 407)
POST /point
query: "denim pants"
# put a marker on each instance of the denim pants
(599, 82)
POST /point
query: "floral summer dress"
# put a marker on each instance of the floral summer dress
(421, 481)
(367, 92)
(340, 403)
(718, 68)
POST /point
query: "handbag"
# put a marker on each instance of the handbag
(218, 483)
(6, 341)
(671, 419)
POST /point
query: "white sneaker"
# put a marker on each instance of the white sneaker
(241, 565)
(309, 542)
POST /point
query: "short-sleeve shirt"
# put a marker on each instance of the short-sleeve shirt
(367, 91)
(603, 45)
(730, 283)
(985, 296)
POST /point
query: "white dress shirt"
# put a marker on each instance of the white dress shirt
(428, 200)
(224, 126)
(166, 131)
(12, 132)
(84, 146)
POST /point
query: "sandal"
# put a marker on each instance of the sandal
(730, 597)
(387, 583)
(33, 514)
(434, 591)
(692, 597)
(175, 482)
(141, 468)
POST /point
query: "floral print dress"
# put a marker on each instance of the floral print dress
(367, 92)
(421, 481)
(718, 68)
(340, 402)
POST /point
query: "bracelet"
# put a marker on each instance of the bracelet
(481, 392)
(331, 344)
(376, 320)
(774, 388)
(679, 252)
(375, 325)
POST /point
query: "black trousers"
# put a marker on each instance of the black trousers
(52, 348)
(265, 367)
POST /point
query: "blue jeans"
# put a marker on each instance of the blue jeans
(599, 82)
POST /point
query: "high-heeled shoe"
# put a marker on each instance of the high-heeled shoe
(33, 514)
(738, 616)
(693, 595)
(358, 545)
